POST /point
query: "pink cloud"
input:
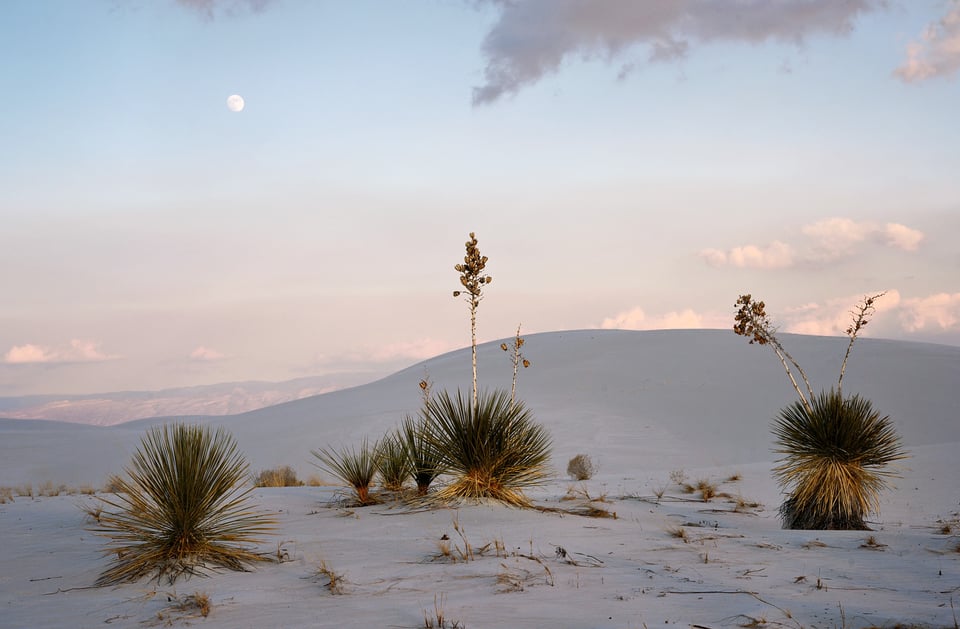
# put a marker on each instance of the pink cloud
(776, 255)
(827, 240)
(419, 349)
(833, 317)
(940, 311)
(79, 351)
(205, 354)
(936, 54)
(687, 319)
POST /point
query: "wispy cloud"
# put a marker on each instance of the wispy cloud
(637, 319)
(205, 354)
(533, 38)
(936, 53)
(825, 241)
(209, 8)
(79, 351)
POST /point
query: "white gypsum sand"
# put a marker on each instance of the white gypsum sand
(641, 404)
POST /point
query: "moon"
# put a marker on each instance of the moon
(235, 102)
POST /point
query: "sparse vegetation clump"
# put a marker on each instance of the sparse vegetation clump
(393, 462)
(492, 449)
(835, 449)
(356, 468)
(283, 476)
(581, 467)
(182, 509)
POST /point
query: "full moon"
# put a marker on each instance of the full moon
(235, 103)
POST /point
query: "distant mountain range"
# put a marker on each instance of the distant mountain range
(230, 398)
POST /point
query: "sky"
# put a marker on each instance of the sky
(623, 163)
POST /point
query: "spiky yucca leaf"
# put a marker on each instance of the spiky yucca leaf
(393, 462)
(356, 468)
(835, 461)
(425, 461)
(182, 508)
(493, 449)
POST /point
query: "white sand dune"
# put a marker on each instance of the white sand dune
(641, 404)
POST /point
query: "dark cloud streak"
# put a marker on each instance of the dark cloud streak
(532, 38)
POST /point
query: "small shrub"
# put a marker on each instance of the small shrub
(581, 467)
(393, 462)
(6, 495)
(356, 468)
(183, 508)
(283, 476)
(494, 449)
(678, 477)
(426, 462)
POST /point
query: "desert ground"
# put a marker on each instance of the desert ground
(629, 548)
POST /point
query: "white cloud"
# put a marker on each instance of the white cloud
(79, 351)
(776, 255)
(533, 38)
(827, 240)
(937, 54)
(205, 354)
(637, 319)
(902, 237)
(834, 317)
(940, 311)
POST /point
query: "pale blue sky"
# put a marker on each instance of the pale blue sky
(805, 151)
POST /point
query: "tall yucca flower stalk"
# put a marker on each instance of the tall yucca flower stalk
(182, 509)
(834, 461)
(493, 449)
(473, 280)
(518, 359)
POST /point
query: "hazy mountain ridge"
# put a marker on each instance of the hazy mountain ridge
(230, 398)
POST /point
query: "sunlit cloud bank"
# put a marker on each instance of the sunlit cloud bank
(936, 53)
(824, 241)
(532, 39)
(687, 319)
(895, 316)
(387, 355)
(79, 351)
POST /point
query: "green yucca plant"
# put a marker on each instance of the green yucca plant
(494, 449)
(425, 461)
(356, 468)
(181, 509)
(834, 461)
(393, 462)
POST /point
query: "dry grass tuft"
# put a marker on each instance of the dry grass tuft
(334, 580)
(680, 533)
(6, 495)
(438, 619)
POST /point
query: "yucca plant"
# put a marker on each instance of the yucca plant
(494, 449)
(835, 448)
(356, 468)
(425, 461)
(393, 462)
(834, 461)
(181, 509)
